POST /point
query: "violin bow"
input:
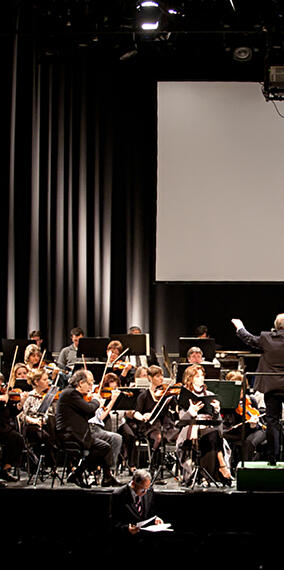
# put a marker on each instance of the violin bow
(159, 401)
(12, 369)
(104, 373)
(84, 362)
(119, 356)
(167, 361)
(41, 360)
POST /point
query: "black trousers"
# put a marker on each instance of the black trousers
(273, 402)
(13, 445)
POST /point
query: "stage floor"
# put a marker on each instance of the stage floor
(223, 522)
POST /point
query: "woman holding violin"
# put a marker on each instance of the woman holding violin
(121, 367)
(32, 357)
(38, 429)
(147, 401)
(121, 421)
(207, 436)
(255, 429)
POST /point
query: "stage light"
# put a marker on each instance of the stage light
(242, 53)
(149, 14)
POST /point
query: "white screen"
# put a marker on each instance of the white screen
(220, 190)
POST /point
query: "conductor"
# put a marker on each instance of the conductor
(271, 345)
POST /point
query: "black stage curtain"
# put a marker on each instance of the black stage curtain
(78, 180)
(78, 177)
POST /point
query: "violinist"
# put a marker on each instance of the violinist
(17, 395)
(97, 422)
(38, 429)
(255, 432)
(163, 426)
(73, 413)
(123, 422)
(209, 437)
(32, 357)
(124, 369)
(11, 440)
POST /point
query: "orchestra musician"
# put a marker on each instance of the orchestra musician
(123, 422)
(11, 440)
(209, 437)
(124, 369)
(194, 355)
(32, 357)
(68, 355)
(97, 422)
(164, 424)
(255, 432)
(38, 429)
(271, 345)
(19, 372)
(142, 359)
(73, 412)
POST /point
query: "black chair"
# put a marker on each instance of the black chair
(69, 455)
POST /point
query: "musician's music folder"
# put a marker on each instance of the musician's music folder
(186, 395)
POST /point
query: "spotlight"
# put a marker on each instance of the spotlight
(148, 15)
(242, 53)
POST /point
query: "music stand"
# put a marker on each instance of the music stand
(97, 369)
(8, 348)
(127, 399)
(136, 343)
(23, 385)
(42, 410)
(95, 347)
(211, 370)
(207, 345)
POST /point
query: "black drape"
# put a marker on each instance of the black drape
(79, 188)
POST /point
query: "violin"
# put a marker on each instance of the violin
(15, 394)
(168, 389)
(120, 365)
(107, 392)
(250, 411)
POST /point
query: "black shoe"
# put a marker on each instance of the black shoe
(272, 462)
(111, 482)
(7, 476)
(77, 479)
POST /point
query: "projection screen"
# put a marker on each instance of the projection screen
(220, 183)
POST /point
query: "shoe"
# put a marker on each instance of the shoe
(226, 479)
(77, 479)
(7, 476)
(111, 482)
(272, 462)
(3, 484)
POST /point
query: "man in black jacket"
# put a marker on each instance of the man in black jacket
(271, 345)
(72, 425)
